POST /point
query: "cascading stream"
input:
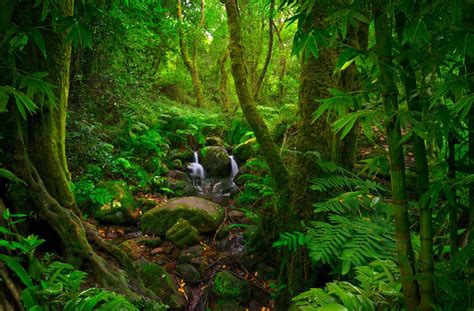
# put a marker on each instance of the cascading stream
(197, 172)
(234, 168)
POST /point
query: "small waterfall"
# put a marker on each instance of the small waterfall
(234, 167)
(197, 171)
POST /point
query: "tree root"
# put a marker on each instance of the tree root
(10, 285)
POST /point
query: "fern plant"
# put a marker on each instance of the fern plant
(378, 288)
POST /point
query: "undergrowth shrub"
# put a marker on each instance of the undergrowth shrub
(49, 284)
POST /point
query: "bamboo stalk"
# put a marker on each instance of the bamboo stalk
(397, 163)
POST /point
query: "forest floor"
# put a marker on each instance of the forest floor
(222, 250)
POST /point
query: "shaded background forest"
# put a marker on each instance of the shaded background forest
(350, 121)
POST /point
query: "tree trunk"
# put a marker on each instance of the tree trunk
(223, 95)
(258, 83)
(276, 218)
(281, 64)
(397, 164)
(188, 61)
(271, 155)
(35, 151)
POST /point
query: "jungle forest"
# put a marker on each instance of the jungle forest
(236, 155)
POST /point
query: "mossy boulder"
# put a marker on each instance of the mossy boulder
(182, 188)
(246, 150)
(188, 272)
(182, 233)
(160, 282)
(204, 215)
(228, 286)
(216, 161)
(214, 141)
(119, 208)
(185, 155)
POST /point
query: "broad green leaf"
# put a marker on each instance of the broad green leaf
(15, 266)
(332, 307)
(35, 34)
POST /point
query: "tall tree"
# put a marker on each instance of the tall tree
(259, 81)
(35, 147)
(190, 62)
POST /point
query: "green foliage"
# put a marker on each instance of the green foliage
(378, 289)
(291, 240)
(52, 285)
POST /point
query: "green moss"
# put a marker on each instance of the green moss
(121, 208)
(226, 285)
(204, 215)
(160, 282)
(182, 233)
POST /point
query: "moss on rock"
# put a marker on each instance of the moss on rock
(160, 282)
(182, 233)
(216, 161)
(246, 150)
(121, 208)
(204, 215)
(226, 285)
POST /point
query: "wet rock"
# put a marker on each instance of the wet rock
(188, 272)
(204, 215)
(216, 161)
(214, 141)
(182, 188)
(119, 208)
(190, 253)
(182, 233)
(160, 282)
(246, 150)
(228, 286)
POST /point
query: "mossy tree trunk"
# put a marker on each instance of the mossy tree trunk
(189, 62)
(223, 95)
(397, 163)
(35, 150)
(261, 77)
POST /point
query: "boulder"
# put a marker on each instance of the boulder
(190, 254)
(182, 188)
(188, 273)
(204, 215)
(184, 155)
(216, 161)
(246, 150)
(182, 233)
(121, 208)
(227, 286)
(214, 141)
(160, 282)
